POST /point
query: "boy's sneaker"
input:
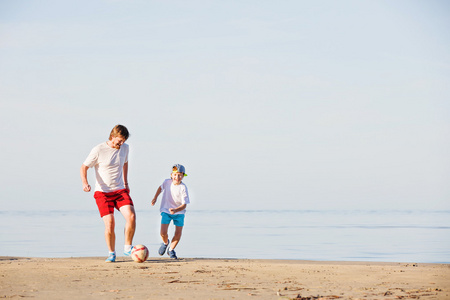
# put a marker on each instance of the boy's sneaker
(111, 258)
(172, 254)
(163, 248)
(128, 253)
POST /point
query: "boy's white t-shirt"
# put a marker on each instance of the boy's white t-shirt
(173, 196)
(108, 163)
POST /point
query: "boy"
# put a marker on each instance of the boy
(110, 160)
(173, 207)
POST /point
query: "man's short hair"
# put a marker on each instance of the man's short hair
(119, 130)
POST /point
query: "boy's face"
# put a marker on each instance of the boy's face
(117, 141)
(177, 177)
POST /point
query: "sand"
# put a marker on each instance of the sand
(192, 278)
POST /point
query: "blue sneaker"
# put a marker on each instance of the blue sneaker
(172, 254)
(163, 247)
(111, 258)
(128, 253)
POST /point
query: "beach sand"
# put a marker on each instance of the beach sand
(196, 278)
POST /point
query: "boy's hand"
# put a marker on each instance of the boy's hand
(153, 201)
(172, 210)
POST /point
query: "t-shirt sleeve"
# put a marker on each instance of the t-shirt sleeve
(126, 156)
(92, 158)
(185, 195)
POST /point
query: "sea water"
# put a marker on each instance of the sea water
(328, 235)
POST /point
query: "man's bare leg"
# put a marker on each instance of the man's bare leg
(110, 236)
(130, 223)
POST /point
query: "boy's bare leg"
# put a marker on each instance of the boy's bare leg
(110, 236)
(130, 223)
(176, 237)
(164, 233)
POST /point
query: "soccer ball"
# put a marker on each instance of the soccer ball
(139, 253)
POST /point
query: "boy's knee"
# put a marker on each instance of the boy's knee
(177, 234)
(164, 233)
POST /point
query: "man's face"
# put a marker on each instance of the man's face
(117, 141)
(177, 177)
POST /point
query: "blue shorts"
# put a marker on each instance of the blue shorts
(178, 220)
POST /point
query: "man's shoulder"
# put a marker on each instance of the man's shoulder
(125, 147)
(99, 146)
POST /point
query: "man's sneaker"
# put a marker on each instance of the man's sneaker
(111, 258)
(163, 248)
(128, 253)
(172, 254)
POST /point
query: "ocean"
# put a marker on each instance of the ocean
(325, 235)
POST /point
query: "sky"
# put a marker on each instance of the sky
(283, 105)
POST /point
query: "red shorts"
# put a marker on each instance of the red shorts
(106, 202)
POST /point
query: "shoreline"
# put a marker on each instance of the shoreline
(272, 260)
(220, 278)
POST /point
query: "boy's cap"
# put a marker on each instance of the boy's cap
(179, 168)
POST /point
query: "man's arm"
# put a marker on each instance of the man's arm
(84, 181)
(125, 176)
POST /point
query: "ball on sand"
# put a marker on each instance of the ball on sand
(139, 253)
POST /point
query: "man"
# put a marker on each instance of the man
(110, 160)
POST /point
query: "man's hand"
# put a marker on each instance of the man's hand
(86, 187)
(84, 181)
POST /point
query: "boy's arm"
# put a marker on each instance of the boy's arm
(156, 195)
(83, 173)
(179, 208)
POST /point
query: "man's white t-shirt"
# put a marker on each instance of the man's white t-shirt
(173, 196)
(108, 163)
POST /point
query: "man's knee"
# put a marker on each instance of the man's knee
(129, 213)
(130, 217)
(109, 224)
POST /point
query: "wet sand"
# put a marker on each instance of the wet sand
(196, 278)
